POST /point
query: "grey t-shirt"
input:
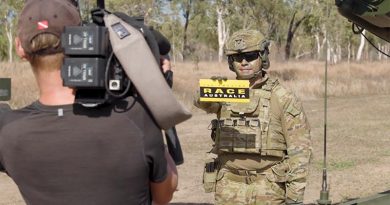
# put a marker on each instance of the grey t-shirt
(89, 156)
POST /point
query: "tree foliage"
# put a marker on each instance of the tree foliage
(8, 12)
(297, 28)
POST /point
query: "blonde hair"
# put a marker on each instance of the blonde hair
(42, 61)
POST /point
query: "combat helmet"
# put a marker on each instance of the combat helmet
(244, 41)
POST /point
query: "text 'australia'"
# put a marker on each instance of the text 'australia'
(215, 92)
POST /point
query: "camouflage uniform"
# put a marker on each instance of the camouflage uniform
(263, 147)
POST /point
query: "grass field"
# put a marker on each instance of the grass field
(358, 126)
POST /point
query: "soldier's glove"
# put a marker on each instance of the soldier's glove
(218, 78)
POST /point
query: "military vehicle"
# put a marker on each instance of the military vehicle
(374, 16)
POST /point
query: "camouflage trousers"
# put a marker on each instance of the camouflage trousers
(247, 189)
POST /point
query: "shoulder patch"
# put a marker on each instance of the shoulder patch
(293, 110)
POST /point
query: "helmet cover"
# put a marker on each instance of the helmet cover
(243, 41)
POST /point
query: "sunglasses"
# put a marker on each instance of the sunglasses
(250, 56)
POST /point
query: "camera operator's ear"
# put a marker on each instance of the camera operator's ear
(19, 49)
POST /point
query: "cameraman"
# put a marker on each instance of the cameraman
(58, 152)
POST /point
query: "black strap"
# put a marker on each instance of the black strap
(100, 4)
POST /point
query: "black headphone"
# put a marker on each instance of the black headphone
(263, 54)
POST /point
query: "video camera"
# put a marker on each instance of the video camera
(90, 65)
(93, 69)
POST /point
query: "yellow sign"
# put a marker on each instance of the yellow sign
(224, 90)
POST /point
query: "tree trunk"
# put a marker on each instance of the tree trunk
(290, 34)
(332, 56)
(339, 52)
(222, 33)
(349, 51)
(8, 30)
(317, 38)
(386, 50)
(185, 49)
(327, 50)
(361, 46)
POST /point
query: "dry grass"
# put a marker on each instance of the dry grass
(24, 88)
(358, 126)
(305, 78)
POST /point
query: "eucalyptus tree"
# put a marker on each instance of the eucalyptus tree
(299, 10)
(268, 17)
(337, 33)
(197, 27)
(314, 28)
(140, 8)
(168, 22)
(184, 9)
(186, 5)
(221, 8)
(8, 13)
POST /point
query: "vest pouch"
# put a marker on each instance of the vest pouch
(245, 109)
(214, 126)
(240, 129)
(210, 176)
(279, 172)
(239, 135)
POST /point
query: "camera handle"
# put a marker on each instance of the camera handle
(100, 4)
(174, 146)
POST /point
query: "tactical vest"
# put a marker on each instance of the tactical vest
(243, 127)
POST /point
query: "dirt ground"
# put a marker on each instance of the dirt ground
(358, 152)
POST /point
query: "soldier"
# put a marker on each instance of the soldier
(263, 147)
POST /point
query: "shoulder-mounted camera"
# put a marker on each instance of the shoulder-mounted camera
(90, 65)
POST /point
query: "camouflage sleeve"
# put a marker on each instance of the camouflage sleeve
(209, 107)
(297, 135)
